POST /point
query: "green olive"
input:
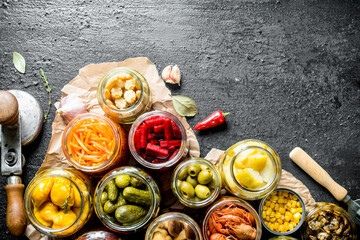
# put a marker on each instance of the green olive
(204, 167)
(196, 199)
(211, 184)
(178, 184)
(187, 190)
(135, 182)
(109, 207)
(183, 173)
(122, 181)
(103, 197)
(202, 191)
(204, 177)
(194, 169)
(192, 181)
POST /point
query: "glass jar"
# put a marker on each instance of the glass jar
(128, 114)
(141, 153)
(297, 210)
(99, 235)
(212, 187)
(113, 147)
(231, 202)
(271, 172)
(149, 184)
(321, 216)
(56, 196)
(184, 220)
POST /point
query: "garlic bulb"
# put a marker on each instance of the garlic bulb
(171, 74)
(70, 107)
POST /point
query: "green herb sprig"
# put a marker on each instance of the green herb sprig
(48, 89)
(66, 202)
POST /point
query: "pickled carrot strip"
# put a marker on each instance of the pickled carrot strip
(75, 145)
(81, 144)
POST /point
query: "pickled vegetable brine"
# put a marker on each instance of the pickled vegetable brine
(91, 142)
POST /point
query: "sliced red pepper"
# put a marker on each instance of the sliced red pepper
(175, 130)
(154, 141)
(150, 136)
(213, 120)
(157, 151)
(137, 139)
(143, 136)
(167, 129)
(172, 149)
(159, 128)
(154, 121)
(174, 154)
(167, 144)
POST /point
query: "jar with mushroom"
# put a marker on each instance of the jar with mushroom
(173, 226)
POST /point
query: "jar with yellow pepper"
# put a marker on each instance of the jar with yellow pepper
(58, 202)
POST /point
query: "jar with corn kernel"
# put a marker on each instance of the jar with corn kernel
(124, 94)
(282, 212)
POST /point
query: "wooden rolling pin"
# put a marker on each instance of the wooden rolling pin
(304, 161)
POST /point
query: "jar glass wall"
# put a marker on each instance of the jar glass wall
(134, 192)
(58, 202)
(124, 94)
(250, 169)
(94, 144)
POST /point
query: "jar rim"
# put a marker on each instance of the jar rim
(188, 202)
(105, 164)
(133, 171)
(237, 201)
(140, 120)
(46, 174)
(173, 216)
(134, 73)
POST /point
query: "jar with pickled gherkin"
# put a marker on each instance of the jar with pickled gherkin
(127, 199)
(58, 202)
(196, 182)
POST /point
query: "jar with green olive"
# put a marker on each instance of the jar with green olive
(196, 182)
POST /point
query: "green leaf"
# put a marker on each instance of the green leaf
(184, 106)
(19, 62)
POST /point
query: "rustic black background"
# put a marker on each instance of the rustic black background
(287, 70)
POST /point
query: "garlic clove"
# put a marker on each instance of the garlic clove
(166, 73)
(175, 75)
(71, 106)
(171, 74)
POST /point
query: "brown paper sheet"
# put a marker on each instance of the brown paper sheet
(85, 84)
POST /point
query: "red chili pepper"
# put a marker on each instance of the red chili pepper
(215, 119)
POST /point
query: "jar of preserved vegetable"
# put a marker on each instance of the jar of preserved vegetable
(94, 144)
(124, 94)
(250, 169)
(173, 225)
(58, 202)
(126, 199)
(328, 221)
(196, 182)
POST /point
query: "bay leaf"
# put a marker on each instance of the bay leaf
(19, 62)
(184, 106)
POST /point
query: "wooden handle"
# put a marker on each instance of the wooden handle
(15, 212)
(9, 108)
(304, 161)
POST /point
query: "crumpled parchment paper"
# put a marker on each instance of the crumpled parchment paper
(85, 85)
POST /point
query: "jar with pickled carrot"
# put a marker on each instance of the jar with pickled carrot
(94, 144)
(58, 202)
(124, 94)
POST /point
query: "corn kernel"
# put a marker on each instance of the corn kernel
(272, 205)
(282, 210)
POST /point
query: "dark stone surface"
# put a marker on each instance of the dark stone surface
(288, 71)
